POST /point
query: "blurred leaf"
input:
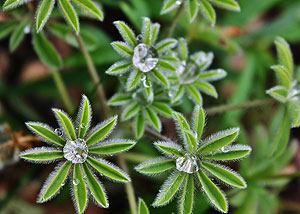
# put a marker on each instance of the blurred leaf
(43, 13)
(17, 36)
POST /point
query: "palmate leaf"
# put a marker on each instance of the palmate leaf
(112, 147)
(45, 132)
(142, 207)
(162, 108)
(227, 4)
(79, 189)
(17, 36)
(120, 67)
(119, 99)
(107, 169)
(95, 187)
(208, 11)
(169, 148)
(69, 13)
(130, 111)
(214, 194)
(101, 131)
(89, 6)
(10, 4)
(54, 182)
(168, 6)
(156, 166)
(206, 88)
(43, 13)
(65, 123)
(126, 33)
(42, 154)
(169, 189)
(279, 93)
(231, 153)
(84, 117)
(198, 118)
(225, 175)
(139, 125)
(122, 48)
(192, 8)
(284, 54)
(219, 140)
(187, 197)
(153, 119)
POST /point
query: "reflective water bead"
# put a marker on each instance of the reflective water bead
(76, 151)
(75, 181)
(58, 132)
(83, 126)
(181, 67)
(145, 57)
(187, 164)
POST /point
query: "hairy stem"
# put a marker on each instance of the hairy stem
(93, 72)
(175, 20)
(62, 90)
(229, 107)
(128, 187)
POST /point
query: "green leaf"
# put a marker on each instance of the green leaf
(65, 123)
(134, 79)
(112, 147)
(208, 11)
(89, 6)
(139, 125)
(146, 30)
(178, 94)
(182, 49)
(122, 48)
(206, 88)
(84, 117)
(165, 45)
(192, 9)
(160, 77)
(126, 33)
(119, 99)
(284, 54)
(49, 57)
(154, 32)
(226, 175)
(120, 68)
(79, 189)
(181, 121)
(142, 207)
(282, 75)
(45, 132)
(191, 140)
(130, 111)
(10, 4)
(231, 153)
(162, 108)
(212, 75)
(17, 36)
(279, 93)
(169, 148)
(168, 6)
(153, 119)
(187, 197)
(164, 65)
(169, 189)
(194, 94)
(43, 13)
(198, 118)
(101, 131)
(148, 88)
(107, 169)
(6, 28)
(294, 112)
(282, 137)
(155, 166)
(95, 187)
(42, 154)
(69, 13)
(219, 140)
(202, 59)
(54, 181)
(168, 58)
(227, 4)
(213, 193)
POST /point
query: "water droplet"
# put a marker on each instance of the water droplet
(83, 125)
(224, 149)
(58, 132)
(139, 38)
(188, 164)
(27, 29)
(62, 184)
(146, 84)
(178, 2)
(76, 151)
(145, 57)
(76, 181)
(181, 67)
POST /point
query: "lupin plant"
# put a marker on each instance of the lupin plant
(78, 148)
(195, 162)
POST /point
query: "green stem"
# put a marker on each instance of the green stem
(175, 20)
(135, 157)
(62, 89)
(229, 107)
(128, 187)
(93, 73)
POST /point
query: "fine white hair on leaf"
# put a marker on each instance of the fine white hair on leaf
(151, 161)
(145, 30)
(154, 34)
(38, 135)
(66, 19)
(112, 166)
(48, 14)
(165, 185)
(73, 197)
(186, 8)
(175, 5)
(232, 148)
(130, 78)
(51, 175)
(120, 51)
(168, 143)
(171, 44)
(39, 149)
(222, 133)
(18, 4)
(193, 123)
(99, 125)
(180, 131)
(114, 141)
(121, 31)
(181, 193)
(59, 121)
(126, 110)
(116, 65)
(83, 98)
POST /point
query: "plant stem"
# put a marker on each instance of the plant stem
(175, 20)
(155, 135)
(128, 187)
(62, 90)
(229, 107)
(93, 72)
